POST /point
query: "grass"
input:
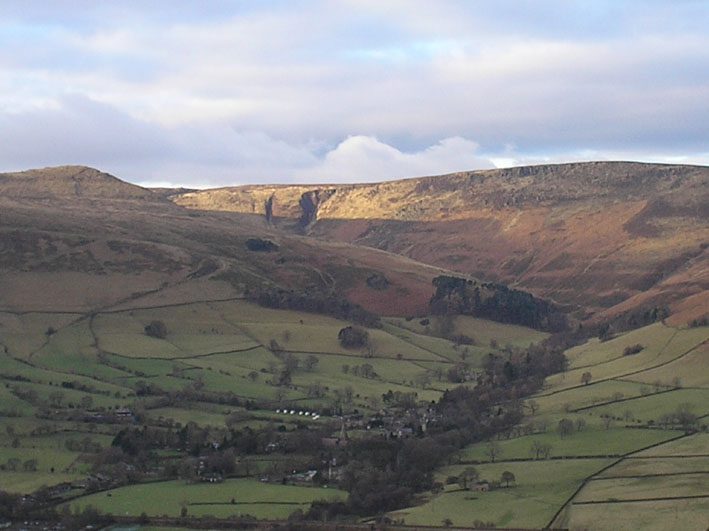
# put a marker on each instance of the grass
(540, 489)
(28, 482)
(261, 500)
(697, 444)
(482, 331)
(643, 488)
(632, 466)
(662, 345)
(690, 370)
(593, 440)
(203, 343)
(585, 396)
(688, 515)
(654, 406)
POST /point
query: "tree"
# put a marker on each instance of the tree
(87, 401)
(540, 450)
(507, 477)
(56, 397)
(310, 363)
(586, 378)
(253, 376)
(30, 465)
(291, 362)
(156, 329)
(565, 427)
(468, 476)
(533, 406)
(493, 450)
(353, 337)
(280, 394)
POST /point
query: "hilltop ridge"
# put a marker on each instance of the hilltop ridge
(599, 237)
(70, 181)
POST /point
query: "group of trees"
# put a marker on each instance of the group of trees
(353, 337)
(326, 303)
(495, 302)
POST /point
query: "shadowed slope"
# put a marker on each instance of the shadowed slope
(587, 235)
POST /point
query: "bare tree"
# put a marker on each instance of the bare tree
(565, 427)
(533, 406)
(469, 475)
(493, 450)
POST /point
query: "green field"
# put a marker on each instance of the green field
(539, 490)
(688, 515)
(94, 365)
(593, 440)
(250, 496)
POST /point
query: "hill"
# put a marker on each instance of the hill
(77, 239)
(146, 345)
(69, 182)
(600, 238)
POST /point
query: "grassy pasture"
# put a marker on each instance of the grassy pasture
(184, 415)
(690, 369)
(635, 466)
(253, 360)
(203, 344)
(540, 489)
(47, 458)
(593, 440)
(10, 404)
(687, 515)
(662, 346)
(482, 331)
(653, 406)
(83, 363)
(440, 346)
(697, 444)
(12, 368)
(578, 397)
(595, 352)
(243, 312)
(262, 500)
(613, 489)
(68, 396)
(27, 482)
(25, 333)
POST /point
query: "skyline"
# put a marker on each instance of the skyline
(227, 93)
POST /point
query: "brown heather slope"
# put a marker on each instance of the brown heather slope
(74, 239)
(599, 237)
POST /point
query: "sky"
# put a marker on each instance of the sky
(218, 93)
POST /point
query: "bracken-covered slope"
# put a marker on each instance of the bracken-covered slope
(600, 237)
(74, 239)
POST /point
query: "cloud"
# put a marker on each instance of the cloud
(78, 130)
(365, 158)
(221, 92)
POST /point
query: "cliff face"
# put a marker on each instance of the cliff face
(587, 235)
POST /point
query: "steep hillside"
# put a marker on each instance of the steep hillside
(77, 239)
(597, 237)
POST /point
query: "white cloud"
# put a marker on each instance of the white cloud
(241, 92)
(365, 158)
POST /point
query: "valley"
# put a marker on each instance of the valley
(192, 347)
